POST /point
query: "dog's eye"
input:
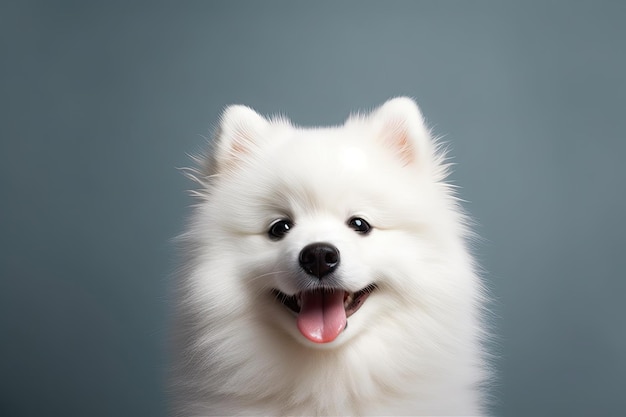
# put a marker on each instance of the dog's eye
(279, 229)
(359, 225)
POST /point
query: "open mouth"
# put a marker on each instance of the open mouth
(322, 313)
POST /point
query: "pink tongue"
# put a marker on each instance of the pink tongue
(322, 315)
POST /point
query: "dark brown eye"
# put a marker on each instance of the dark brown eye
(359, 225)
(279, 229)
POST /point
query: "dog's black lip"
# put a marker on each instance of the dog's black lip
(291, 301)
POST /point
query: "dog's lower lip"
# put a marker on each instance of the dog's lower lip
(352, 300)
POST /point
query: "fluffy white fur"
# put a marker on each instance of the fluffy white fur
(413, 348)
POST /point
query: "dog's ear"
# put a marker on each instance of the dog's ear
(239, 132)
(400, 125)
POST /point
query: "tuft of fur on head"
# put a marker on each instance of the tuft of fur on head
(413, 347)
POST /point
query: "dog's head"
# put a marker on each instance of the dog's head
(314, 229)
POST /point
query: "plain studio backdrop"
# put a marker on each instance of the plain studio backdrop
(101, 102)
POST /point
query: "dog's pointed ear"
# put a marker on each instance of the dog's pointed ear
(239, 132)
(400, 125)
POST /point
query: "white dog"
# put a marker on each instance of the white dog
(326, 272)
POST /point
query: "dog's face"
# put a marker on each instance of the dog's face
(329, 226)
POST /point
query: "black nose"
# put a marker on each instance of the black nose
(319, 259)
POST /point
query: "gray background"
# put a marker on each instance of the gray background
(101, 102)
